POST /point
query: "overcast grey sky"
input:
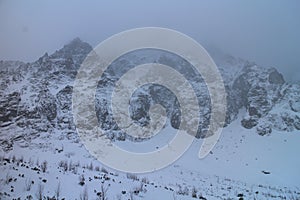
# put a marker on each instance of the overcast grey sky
(266, 32)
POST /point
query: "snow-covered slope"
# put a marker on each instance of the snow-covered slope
(36, 125)
(243, 164)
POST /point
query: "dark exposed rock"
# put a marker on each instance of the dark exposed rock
(249, 123)
(295, 105)
(75, 50)
(297, 123)
(266, 172)
(47, 105)
(9, 107)
(264, 129)
(6, 145)
(64, 98)
(276, 78)
(259, 90)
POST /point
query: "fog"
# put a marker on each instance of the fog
(266, 32)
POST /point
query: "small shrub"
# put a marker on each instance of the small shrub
(13, 159)
(104, 170)
(30, 161)
(194, 192)
(183, 191)
(145, 180)
(84, 194)
(39, 192)
(57, 191)
(174, 196)
(90, 167)
(21, 159)
(132, 176)
(130, 195)
(44, 166)
(28, 184)
(8, 179)
(29, 197)
(103, 193)
(77, 164)
(63, 165)
(140, 188)
(81, 180)
(70, 165)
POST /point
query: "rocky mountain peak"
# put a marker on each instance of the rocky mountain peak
(76, 49)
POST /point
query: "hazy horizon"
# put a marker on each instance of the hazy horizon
(264, 32)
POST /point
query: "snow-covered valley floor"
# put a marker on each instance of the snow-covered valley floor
(243, 165)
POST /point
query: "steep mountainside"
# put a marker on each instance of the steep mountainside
(35, 98)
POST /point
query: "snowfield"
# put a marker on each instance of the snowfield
(243, 165)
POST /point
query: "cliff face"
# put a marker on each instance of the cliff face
(36, 98)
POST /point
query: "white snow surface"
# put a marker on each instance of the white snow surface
(233, 169)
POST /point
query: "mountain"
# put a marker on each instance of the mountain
(36, 97)
(36, 123)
